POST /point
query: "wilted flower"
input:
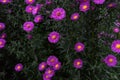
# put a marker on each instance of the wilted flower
(111, 5)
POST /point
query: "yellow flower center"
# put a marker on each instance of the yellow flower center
(0, 26)
(85, 7)
(46, 76)
(58, 13)
(4, 1)
(56, 65)
(110, 5)
(28, 25)
(118, 46)
(54, 37)
(43, 66)
(18, 67)
(52, 60)
(1, 43)
(38, 18)
(110, 60)
(30, 8)
(75, 17)
(49, 71)
(30, 0)
(78, 63)
(79, 47)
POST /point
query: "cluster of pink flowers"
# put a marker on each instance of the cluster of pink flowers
(50, 66)
(110, 59)
(85, 4)
(3, 35)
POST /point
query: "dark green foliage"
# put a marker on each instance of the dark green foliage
(32, 52)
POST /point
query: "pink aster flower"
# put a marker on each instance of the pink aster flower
(29, 9)
(2, 26)
(78, 63)
(5, 1)
(29, 1)
(18, 67)
(75, 16)
(79, 47)
(53, 37)
(110, 60)
(36, 9)
(28, 26)
(2, 43)
(42, 66)
(85, 6)
(111, 5)
(50, 72)
(98, 1)
(116, 29)
(52, 60)
(57, 66)
(46, 77)
(3, 35)
(38, 18)
(116, 46)
(58, 14)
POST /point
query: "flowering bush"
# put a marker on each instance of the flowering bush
(59, 39)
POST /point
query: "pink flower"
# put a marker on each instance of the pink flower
(79, 47)
(2, 43)
(53, 37)
(38, 18)
(18, 67)
(110, 60)
(78, 63)
(29, 1)
(28, 26)
(58, 14)
(29, 9)
(75, 16)
(42, 66)
(85, 6)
